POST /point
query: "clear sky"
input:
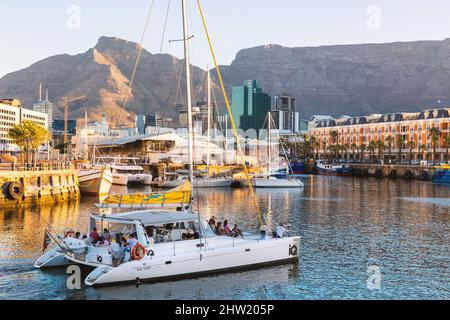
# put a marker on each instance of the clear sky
(33, 30)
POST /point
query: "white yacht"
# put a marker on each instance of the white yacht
(199, 182)
(169, 248)
(271, 181)
(126, 170)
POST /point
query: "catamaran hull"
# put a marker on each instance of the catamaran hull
(172, 183)
(274, 183)
(213, 183)
(260, 253)
(145, 179)
(120, 179)
(51, 259)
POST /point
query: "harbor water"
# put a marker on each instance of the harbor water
(349, 228)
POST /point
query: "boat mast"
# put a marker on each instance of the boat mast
(86, 139)
(188, 90)
(269, 138)
(209, 119)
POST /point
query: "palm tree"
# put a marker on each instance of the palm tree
(334, 135)
(400, 144)
(362, 147)
(28, 136)
(435, 134)
(353, 146)
(410, 144)
(380, 146)
(423, 147)
(346, 147)
(371, 147)
(447, 144)
(390, 142)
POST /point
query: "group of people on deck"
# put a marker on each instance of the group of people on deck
(224, 229)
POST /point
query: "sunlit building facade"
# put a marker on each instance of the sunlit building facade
(410, 132)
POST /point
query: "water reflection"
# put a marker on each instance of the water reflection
(346, 225)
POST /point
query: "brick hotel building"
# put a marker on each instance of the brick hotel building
(411, 126)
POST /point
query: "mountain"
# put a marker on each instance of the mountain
(343, 79)
(350, 79)
(101, 76)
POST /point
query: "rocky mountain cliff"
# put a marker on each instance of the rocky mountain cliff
(100, 76)
(350, 79)
(347, 79)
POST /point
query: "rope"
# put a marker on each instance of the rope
(164, 29)
(250, 187)
(138, 58)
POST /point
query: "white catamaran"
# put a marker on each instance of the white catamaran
(168, 245)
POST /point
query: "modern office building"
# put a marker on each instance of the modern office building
(250, 106)
(58, 130)
(410, 132)
(11, 114)
(152, 120)
(140, 123)
(44, 106)
(285, 114)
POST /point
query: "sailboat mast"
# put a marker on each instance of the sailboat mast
(209, 118)
(269, 137)
(86, 141)
(188, 90)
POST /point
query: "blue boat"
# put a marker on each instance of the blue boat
(442, 175)
(330, 169)
(297, 168)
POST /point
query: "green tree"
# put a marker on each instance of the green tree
(380, 147)
(353, 147)
(390, 142)
(334, 137)
(435, 134)
(371, 147)
(447, 145)
(423, 148)
(400, 145)
(410, 144)
(362, 148)
(28, 136)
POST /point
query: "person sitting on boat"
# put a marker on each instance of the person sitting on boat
(236, 232)
(106, 235)
(219, 229)
(94, 236)
(226, 227)
(77, 235)
(279, 231)
(124, 242)
(212, 223)
(132, 241)
(86, 239)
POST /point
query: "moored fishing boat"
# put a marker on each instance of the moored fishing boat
(95, 181)
(442, 174)
(331, 169)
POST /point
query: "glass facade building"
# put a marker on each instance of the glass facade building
(249, 105)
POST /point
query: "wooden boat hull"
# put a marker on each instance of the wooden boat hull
(95, 181)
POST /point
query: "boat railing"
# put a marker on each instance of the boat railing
(44, 166)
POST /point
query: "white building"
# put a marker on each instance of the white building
(316, 119)
(11, 114)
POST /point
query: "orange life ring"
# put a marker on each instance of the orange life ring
(138, 252)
